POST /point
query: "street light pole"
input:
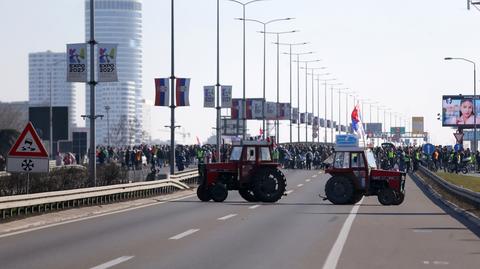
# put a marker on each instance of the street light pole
(475, 143)
(264, 61)
(290, 55)
(107, 108)
(277, 126)
(244, 97)
(306, 95)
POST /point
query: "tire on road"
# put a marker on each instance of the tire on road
(399, 198)
(269, 185)
(248, 195)
(203, 193)
(357, 196)
(339, 190)
(219, 192)
(386, 196)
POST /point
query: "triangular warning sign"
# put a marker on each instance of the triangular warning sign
(28, 144)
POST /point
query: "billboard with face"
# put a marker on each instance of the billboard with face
(459, 110)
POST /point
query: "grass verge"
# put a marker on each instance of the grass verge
(465, 181)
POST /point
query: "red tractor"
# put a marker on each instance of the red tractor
(354, 175)
(250, 170)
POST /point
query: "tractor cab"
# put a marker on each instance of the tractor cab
(355, 174)
(251, 170)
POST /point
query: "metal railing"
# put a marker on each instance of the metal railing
(18, 205)
(466, 195)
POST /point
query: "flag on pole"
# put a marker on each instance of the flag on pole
(161, 91)
(182, 90)
(357, 125)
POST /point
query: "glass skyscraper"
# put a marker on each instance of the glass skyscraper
(119, 22)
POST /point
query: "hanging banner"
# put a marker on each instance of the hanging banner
(309, 118)
(302, 118)
(236, 109)
(182, 91)
(162, 91)
(76, 62)
(107, 63)
(315, 121)
(322, 123)
(226, 96)
(270, 111)
(284, 111)
(208, 96)
(294, 115)
(254, 109)
(329, 124)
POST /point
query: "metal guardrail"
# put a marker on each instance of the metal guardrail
(465, 194)
(12, 206)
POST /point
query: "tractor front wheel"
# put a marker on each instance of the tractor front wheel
(399, 197)
(219, 192)
(339, 190)
(203, 193)
(387, 196)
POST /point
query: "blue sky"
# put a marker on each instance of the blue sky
(389, 52)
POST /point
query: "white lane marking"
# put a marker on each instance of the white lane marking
(440, 263)
(227, 217)
(182, 235)
(426, 262)
(254, 206)
(288, 192)
(93, 217)
(336, 251)
(113, 262)
(300, 185)
(307, 180)
(314, 176)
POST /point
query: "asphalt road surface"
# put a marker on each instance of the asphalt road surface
(300, 231)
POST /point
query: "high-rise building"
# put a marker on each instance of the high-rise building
(47, 83)
(119, 22)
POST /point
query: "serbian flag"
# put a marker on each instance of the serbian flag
(161, 91)
(357, 125)
(181, 89)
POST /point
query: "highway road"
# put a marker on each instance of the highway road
(300, 231)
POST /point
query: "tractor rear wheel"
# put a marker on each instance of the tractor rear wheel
(269, 185)
(399, 197)
(203, 193)
(247, 194)
(339, 190)
(357, 196)
(219, 192)
(386, 196)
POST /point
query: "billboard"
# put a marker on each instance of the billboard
(458, 110)
(40, 118)
(417, 125)
(374, 128)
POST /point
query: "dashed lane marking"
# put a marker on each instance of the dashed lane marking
(184, 234)
(300, 185)
(314, 176)
(254, 206)
(288, 192)
(113, 262)
(336, 251)
(227, 217)
(94, 217)
(307, 180)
